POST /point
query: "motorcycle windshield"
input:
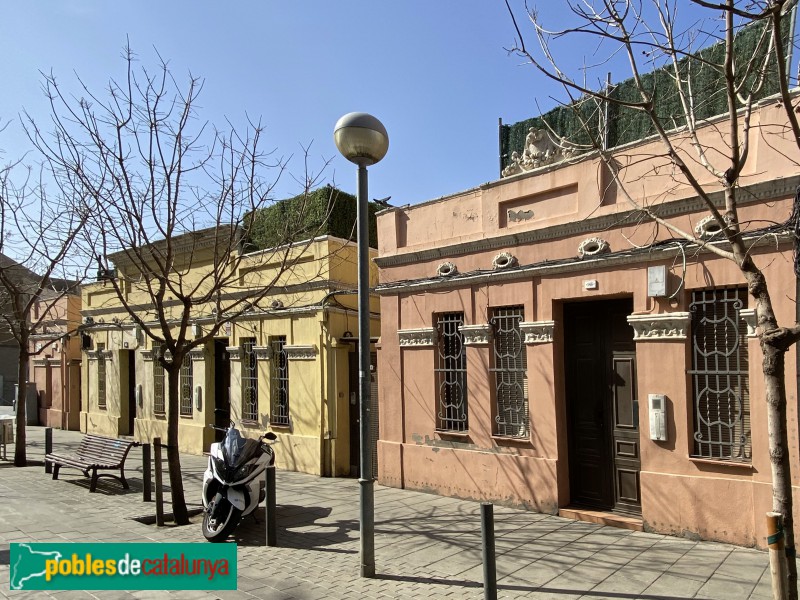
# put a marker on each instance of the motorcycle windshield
(236, 449)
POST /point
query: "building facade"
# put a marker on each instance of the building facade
(55, 367)
(285, 365)
(545, 345)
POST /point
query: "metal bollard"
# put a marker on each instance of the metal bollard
(159, 484)
(147, 482)
(487, 539)
(272, 531)
(48, 448)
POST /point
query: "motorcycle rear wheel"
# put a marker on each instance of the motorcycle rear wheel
(219, 529)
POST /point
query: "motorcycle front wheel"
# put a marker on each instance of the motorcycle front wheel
(220, 522)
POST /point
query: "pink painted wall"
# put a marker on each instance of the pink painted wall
(680, 495)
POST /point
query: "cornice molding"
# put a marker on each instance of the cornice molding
(147, 355)
(234, 352)
(301, 352)
(667, 326)
(538, 332)
(574, 266)
(476, 335)
(197, 354)
(417, 338)
(750, 194)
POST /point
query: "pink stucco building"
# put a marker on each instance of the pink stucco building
(543, 344)
(55, 367)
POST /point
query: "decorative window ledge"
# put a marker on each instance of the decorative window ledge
(475, 335)
(749, 316)
(92, 354)
(234, 352)
(668, 326)
(538, 332)
(53, 362)
(461, 435)
(507, 439)
(197, 354)
(147, 355)
(107, 354)
(301, 352)
(417, 338)
(745, 466)
(39, 362)
(262, 352)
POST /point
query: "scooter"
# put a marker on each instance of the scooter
(233, 483)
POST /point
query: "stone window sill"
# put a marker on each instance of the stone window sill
(722, 463)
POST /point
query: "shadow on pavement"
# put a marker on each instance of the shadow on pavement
(291, 522)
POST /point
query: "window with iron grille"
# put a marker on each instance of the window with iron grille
(279, 411)
(249, 380)
(509, 366)
(101, 376)
(159, 406)
(451, 373)
(720, 375)
(186, 387)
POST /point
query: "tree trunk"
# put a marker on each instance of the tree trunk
(20, 458)
(775, 384)
(179, 511)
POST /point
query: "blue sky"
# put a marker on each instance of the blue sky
(434, 72)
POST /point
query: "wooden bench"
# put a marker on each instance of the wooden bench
(96, 453)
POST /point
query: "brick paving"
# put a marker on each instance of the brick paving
(427, 546)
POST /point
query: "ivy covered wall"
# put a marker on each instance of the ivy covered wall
(324, 211)
(629, 125)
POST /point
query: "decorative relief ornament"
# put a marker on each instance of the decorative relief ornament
(262, 352)
(749, 317)
(475, 335)
(669, 326)
(707, 227)
(446, 269)
(301, 352)
(196, 354)
(147, 355)
(538, 332)
(417, 337)
(234, 352)
(504, 260)
(540, 150)
(592, 247)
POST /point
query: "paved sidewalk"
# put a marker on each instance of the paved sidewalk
(427, 546)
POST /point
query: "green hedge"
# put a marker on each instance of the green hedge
(324, 211)
(629, 125)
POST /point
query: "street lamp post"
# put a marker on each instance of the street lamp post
(362, 139)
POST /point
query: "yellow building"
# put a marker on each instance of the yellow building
(289, 364)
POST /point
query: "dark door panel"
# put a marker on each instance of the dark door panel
(222, 383)
(601, 406)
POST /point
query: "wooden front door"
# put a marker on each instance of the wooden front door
(602, 408)
(222, 383)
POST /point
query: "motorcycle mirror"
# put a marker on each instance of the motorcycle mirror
(270, 436)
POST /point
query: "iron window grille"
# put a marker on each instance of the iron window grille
(101, 376)
(159, 406)
(186, 409)
(279, 413)
(451, 373)
(509, 366)
(720, 382)
(249, 380)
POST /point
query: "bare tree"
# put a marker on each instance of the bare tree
(647, 35)
(37, 237)
(174, 205)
